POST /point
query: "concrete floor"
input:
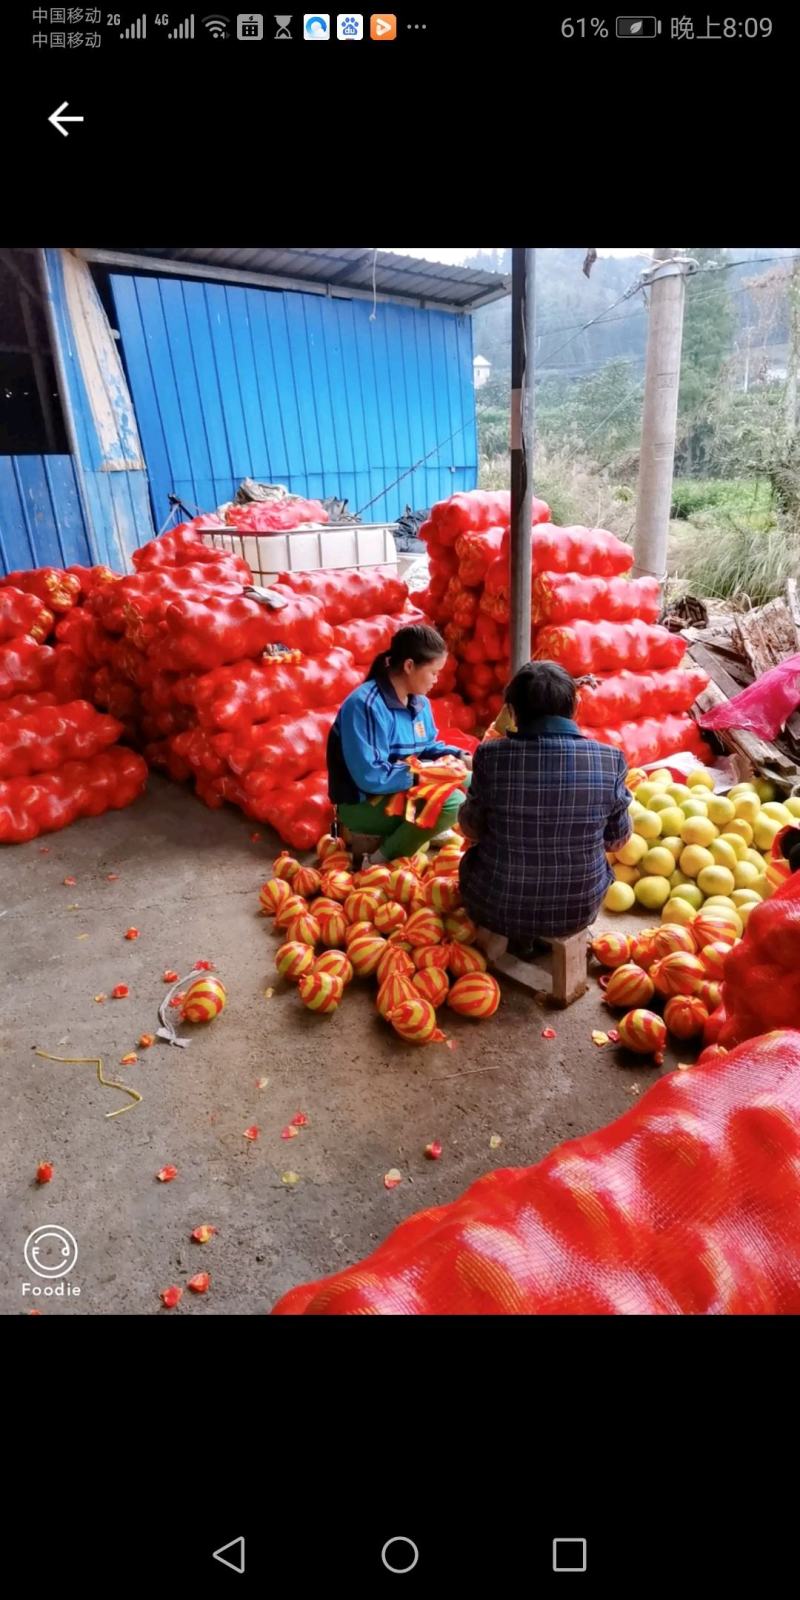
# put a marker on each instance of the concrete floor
(188, 880)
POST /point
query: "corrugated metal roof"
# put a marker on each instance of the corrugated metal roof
(333, 269)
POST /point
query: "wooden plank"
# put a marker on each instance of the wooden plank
(569, 969)
(716, 671)
(766, 636)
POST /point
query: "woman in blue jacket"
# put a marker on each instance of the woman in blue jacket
(379, 725)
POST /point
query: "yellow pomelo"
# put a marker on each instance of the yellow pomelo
(659, 862)
(693, 859)
(632, 851)
(742, 828)
(765, 830)
(674, 844)
(646, 790)
(745, 897)
(779, 812)
(660, 802)
(618, 897)
(690, 893)
(745, 875)
(720, 809)
(747, 807)
(716, 880)
(764, 789)
(736, 842)
(679, 911)
(700, 779)
(648, 825)
(625, 874)
(793, 805)
(652, 892)
(694, 807)
(679, 792)
(724, 854)
(698, 830)
(672, 819)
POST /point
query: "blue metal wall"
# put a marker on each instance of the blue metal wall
(299, 389)
(41, 521)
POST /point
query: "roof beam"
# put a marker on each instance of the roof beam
(263, 280)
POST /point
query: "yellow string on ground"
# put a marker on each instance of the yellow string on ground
(108, 1083)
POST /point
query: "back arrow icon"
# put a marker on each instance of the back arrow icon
(226, 1556)
(58, 120)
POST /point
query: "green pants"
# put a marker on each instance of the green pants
(399, 838)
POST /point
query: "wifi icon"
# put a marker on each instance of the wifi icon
(217, 26)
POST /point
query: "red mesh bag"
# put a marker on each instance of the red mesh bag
(476, 552)
(23, 613)
(275, 516)
(622, 696)
(22, 705)
(182, 547)
(450, 711)
(58, 590)
(366, 636)
(761, 981)
(286, 747)
(24, 667)
(299, 812)
(90, 578)
(47, 737)
(251, 691)
(564, 597)
(590, 552)
(209, 633)
(651, 739)
(586, 647)
(53, 800)
(160, 755)
(688, 1204)
(347, 594)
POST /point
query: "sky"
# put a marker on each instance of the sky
(455, 257)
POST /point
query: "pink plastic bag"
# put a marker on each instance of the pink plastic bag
(763, 708)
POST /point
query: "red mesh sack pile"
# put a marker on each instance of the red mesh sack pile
(689, 1204)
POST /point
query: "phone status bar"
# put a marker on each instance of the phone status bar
(92, 28)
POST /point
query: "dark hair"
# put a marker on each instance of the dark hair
(541, 689)
(790, 848)
(417, 643)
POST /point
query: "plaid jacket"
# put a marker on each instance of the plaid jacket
(546, 805)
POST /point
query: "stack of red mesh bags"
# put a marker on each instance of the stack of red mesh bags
(587, 614)
(216, 687)
(59, 756)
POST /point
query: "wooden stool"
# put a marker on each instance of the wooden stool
(568, 980)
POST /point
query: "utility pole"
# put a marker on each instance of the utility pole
(659, 415)
(793, 361)
(523, 332)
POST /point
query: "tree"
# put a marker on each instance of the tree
(707, 335)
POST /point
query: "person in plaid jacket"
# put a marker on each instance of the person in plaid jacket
(544, 807)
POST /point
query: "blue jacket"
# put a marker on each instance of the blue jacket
(372, 735)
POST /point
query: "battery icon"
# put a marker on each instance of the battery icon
(638, 27)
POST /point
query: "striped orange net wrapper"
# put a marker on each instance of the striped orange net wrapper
(436, 782)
